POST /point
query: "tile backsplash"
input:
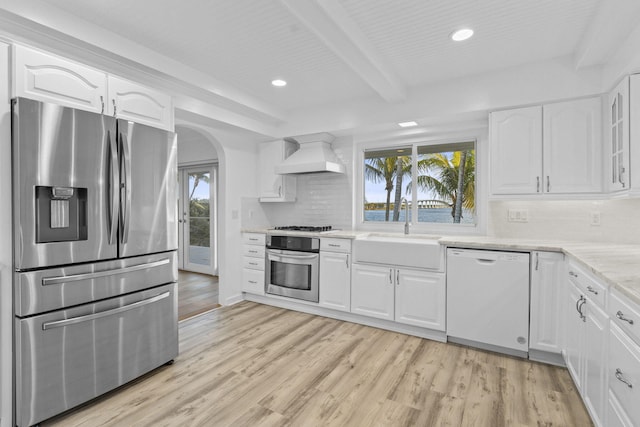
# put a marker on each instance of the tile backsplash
(568, 220)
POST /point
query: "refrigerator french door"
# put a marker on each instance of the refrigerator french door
(95, 238)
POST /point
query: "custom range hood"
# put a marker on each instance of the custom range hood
(315, 155)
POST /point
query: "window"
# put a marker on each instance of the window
(436, 181)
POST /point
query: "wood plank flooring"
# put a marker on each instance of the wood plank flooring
(197, 293)
(257, 365)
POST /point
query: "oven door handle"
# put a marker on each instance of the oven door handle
(279, 257)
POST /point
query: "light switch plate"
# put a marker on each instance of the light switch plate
(595, 218)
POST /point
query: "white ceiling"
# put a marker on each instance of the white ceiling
(332, 52)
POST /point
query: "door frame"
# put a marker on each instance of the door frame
(183, 212)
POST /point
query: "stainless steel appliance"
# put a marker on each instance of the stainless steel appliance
(95, 239)
(292, 266)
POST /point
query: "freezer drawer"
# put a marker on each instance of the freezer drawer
(56, 288)
(68, 357)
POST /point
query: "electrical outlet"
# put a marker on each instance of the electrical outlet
(518, 215)
(595, 218)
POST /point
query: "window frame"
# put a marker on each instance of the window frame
(480, 140)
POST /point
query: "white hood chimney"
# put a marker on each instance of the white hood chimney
(315, 155)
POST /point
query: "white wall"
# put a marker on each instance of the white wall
(569, 220)
(6, 253)
(193, 147)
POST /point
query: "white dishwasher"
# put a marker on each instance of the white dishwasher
(488, 299)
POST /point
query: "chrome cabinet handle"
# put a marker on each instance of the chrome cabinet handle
(347, 261)
(114, 107)
(572, 274)
(548, 184)
(280, 191)
(620, 315)
(620, 377)
(88, 317)
(537, 184)
(621, 170)
(537, 260)
(333, 245)
(593, 291)
(398, 277)
(253, 282)
(579, 304)
(390, 276)
(102, 104)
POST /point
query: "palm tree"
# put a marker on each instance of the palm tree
(454, 180)
(388, 170)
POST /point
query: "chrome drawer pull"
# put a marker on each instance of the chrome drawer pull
(590, 289)
(572, 274)
(334, 245)
(620, 377)
(86, 276)
(620, 316)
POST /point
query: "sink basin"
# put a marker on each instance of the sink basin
(400, 250)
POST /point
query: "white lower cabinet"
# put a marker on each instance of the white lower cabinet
(253, 263)
(372, 291)
(412, 297)
(587, 330)
(335, 281)
(546, 322)
(421, 299)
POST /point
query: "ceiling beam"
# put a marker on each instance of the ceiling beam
(45, 26)
(612, 23)
(330, 22)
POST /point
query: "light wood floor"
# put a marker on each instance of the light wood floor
(197, 293)
(256, 365)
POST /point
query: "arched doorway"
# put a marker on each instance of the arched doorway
(198, 287)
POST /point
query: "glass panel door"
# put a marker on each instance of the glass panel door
(197, 219)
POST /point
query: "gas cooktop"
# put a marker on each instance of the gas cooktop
(308, 228)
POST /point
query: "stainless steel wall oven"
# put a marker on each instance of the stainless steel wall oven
(292, 267)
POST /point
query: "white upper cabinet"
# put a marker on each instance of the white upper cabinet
(44, 77)
(633, 146)
(516, 150)
(618, 128)
(140, 104)
(550, 149)
(274, 187)
(49, 78)
(572, 140)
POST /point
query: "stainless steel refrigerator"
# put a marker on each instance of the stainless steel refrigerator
(95, 240)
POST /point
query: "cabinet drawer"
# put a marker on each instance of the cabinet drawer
(253, 263)
(253, 281)
(254, 251)
(335, 245)
(593, 289)
(624, 373)
(254, 239)
(626, 315)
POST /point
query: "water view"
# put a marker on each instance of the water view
(439, 215)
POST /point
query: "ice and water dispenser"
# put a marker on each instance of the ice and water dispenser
(61, 214)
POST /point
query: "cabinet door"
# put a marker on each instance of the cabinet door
(594, 354)
(335, 281)
(572, 147)
(547, 274)
(574, 338)
(131, 101)
(49, 78)
(274, 187)
(516, 151)
(618, 130)
(372, 291)
(420, 299)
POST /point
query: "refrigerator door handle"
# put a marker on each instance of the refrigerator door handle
(114, 184)
(88, 317)
(125, 187)
(86, 276)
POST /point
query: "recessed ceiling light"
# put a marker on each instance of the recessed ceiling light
(462, 34)
(278, 82)
(407, 124)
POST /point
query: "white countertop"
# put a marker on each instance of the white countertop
(618, 265)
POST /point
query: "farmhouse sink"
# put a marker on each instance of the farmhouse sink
(399, 250)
